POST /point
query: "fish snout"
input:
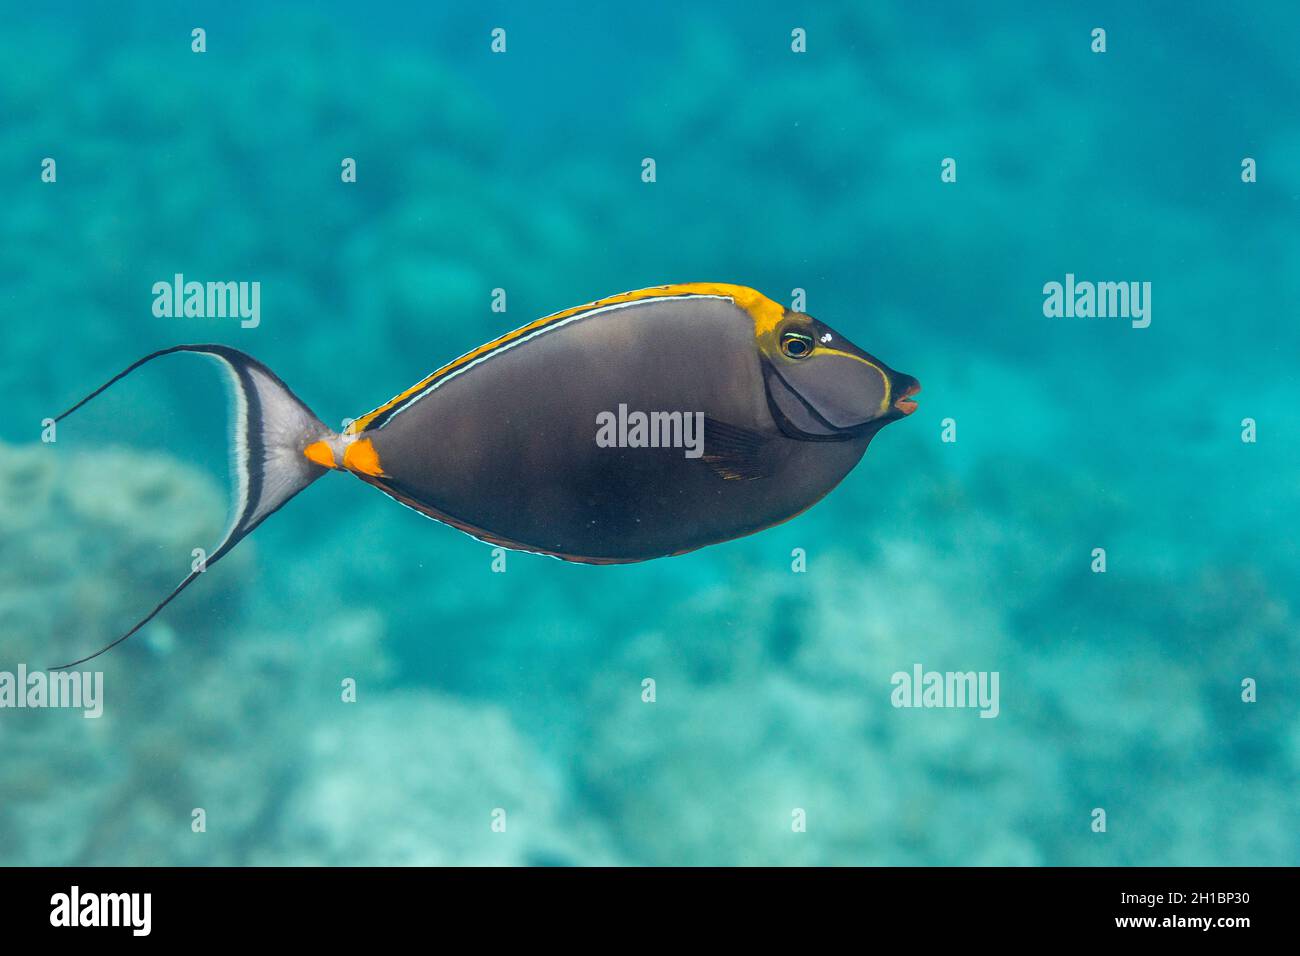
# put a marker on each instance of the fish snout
(904, 386)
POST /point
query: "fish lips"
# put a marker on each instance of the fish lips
(904, 386)
(839, 401)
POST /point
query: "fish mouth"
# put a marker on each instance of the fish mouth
(904, 402)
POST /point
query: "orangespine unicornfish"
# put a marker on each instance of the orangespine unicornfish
(638, 426)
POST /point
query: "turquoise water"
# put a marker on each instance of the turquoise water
(522, 691)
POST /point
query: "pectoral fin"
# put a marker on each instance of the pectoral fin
(735, 453)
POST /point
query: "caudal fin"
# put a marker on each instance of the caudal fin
(269, 431)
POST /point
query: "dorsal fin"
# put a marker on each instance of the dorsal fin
(763, 311)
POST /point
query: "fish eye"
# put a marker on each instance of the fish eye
(796, 345)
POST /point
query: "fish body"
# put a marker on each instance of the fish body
(638, 426)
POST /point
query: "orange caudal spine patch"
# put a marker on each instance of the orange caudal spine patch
(321, 453)
(361, 456)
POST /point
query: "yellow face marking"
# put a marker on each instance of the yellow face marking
(361, 456)
(764, 312)
(320, 453)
